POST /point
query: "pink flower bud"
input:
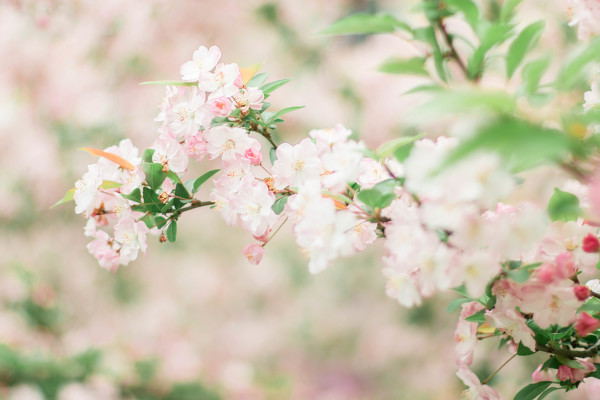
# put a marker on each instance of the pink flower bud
(264, 237)
(255, 157)
(586, 324)
(581, 292)
(590, 243)
(564, 373)
(254, 253)
(540, 375)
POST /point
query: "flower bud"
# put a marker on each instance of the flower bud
(590, 243)
(162, 238)
(586, 324)
(581, 292)
(164, 197)
(254, 253)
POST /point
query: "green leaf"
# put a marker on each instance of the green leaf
(507, 10)
(172, 231)
(575, 65)
(479, 316)
(170, 83)
(282, 112)
(380, 195)
(155, 176)
(547, 392)
(198, 182)
(147, 155)
(258, 80)
(279, 204)
(273, 155)
(391, 147)
(521, 144)
(66, 198)
(455, 304)
(465, 101)
(523, 350)
(568, 362)
(362, 23)
(490, 36)
(522, 44)
(518, 275)
(532, 390)
(532, 73)
(424, 88)
(151, 201)
(427, 35)
(467, 8)
(563, 206)
(271, 86)
(406, 66)
(135, 195)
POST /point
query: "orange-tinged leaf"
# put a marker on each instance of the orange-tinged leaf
(249, 72)
(110, 156)
(485, 329)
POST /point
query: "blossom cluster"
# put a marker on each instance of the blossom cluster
(446, 221)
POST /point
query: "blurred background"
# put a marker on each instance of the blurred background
(194, 320)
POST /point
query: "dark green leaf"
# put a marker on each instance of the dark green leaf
(522, 44)
(479, 316)
(258, 80)
(362, 23)
(279, 204)
(271, 86)
(568, 362)
(406, 66)
(135, 195)
(532, 390)
(172, 231)
(563, 206)
(198, 182)
(523, 350)
(547, 392)
(151, 201)
(155, 176)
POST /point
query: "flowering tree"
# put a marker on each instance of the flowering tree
(454, 212)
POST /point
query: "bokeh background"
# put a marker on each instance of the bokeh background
(193, 320)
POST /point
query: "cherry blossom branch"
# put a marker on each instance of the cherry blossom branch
(590, 352)
(453, 53)
(498, 370)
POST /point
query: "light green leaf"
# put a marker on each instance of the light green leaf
(362, 23)
(282, 112)
(563, 206)
(479, 316)
(406, 66)
(170, 83)
(490, 35)
(576, 64)
(66, 198)
(507, 10)
(110, 185)
(467, 8)
(279, 204)
(155, 176)
(198, 182)
(258, 80)
(271, 86)
(380, 195)
(388, 148)
(455, 304)
(532, 73)
(428, 35)
(522, 44)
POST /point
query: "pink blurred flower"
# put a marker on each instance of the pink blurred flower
(586, 324)
(254, 253)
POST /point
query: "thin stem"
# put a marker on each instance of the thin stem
(498, 370)
(274, 233)
(453, 52)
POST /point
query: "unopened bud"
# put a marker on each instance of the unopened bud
(162, 238)
(165, 168)
(590, 243)
(164, 197)
(581, 292)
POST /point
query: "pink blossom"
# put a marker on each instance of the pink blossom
(465, 334)
(586, 324)
(402, 287)
(511, 323)
(550, 304)
(203, 60)
(221, 82)
(220, 106)
(541, 375)
(103, 248)
(575, 375)
(253, 204)
(249, 98)
(131, 236)
(254, 253)
(586, 15)
(592, 98)
(170, 153)
(581, 292)
(476, 390)
(195, 146)
(185, 112)
(254, 156)
(295, 165)
(230, 143)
